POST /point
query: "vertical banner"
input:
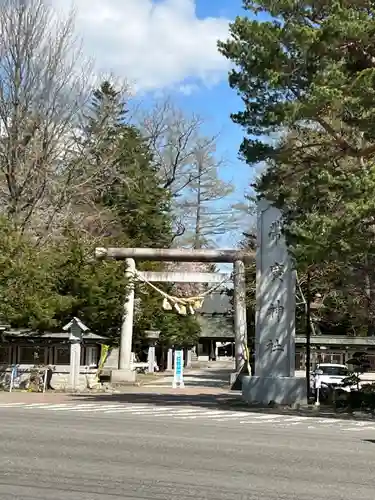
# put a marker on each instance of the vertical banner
(104, 353)
(178, 379)
(45, 379)
(13, 377)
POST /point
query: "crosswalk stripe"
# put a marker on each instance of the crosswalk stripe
(138, 411)
(189, 414)
(355, 429)
(59, 406)
(296, 419)
(70, 407)
(156, 411)
(234, 415)
(94, 408)
(187, 410)
(62, 408)
(48, 406)
(85, 409)
(203, 413)
(147, 409)
(6, 405)
(264, 417)
(36, 405)
(326, 420)
(273, 421)
(123, 409)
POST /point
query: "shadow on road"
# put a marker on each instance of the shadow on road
(220, 401)
(205, 388)
(209, 378)
(224, 401)
(204, 400)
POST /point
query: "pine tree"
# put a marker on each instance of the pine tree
(107, 106)
(141, 205)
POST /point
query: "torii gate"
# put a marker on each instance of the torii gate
(131, 255)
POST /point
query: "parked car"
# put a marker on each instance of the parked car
(331, 374)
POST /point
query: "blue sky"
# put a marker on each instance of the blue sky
(165, 46)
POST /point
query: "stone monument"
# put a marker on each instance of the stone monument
(274, 378)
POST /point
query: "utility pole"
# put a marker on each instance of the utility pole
(308, 334)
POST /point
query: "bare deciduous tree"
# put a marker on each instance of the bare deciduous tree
(43, 87)
(173, 137)
(188, 168)
(205, 204)
(189, 289)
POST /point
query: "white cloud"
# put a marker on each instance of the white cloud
(155, 44)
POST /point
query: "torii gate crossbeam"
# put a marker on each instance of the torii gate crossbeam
(176, 254)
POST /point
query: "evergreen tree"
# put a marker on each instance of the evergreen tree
(129, 188)
(141, 205)
(42, 288)
(310, 65)
(107, 111)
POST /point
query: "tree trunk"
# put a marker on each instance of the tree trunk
(368, 293)
(198, 229)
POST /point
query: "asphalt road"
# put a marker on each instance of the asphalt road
(66, 456)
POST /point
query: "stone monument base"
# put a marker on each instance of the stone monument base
(281, 390)
(123, 376)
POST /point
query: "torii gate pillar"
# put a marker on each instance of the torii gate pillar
(240, 321)
(125, 374)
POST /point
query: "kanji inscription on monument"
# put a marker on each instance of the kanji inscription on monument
(277, 271)
(275, 345)
(275, 230)
(276, 310)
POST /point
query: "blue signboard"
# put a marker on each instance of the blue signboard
(178, 379)
(178, 363)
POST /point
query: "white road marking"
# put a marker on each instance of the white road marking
(138, 410)
(199, 414)
(36, 405)
(11, 405)
(229, 416)
(260, 421)
(179, 413)
(101, 408)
